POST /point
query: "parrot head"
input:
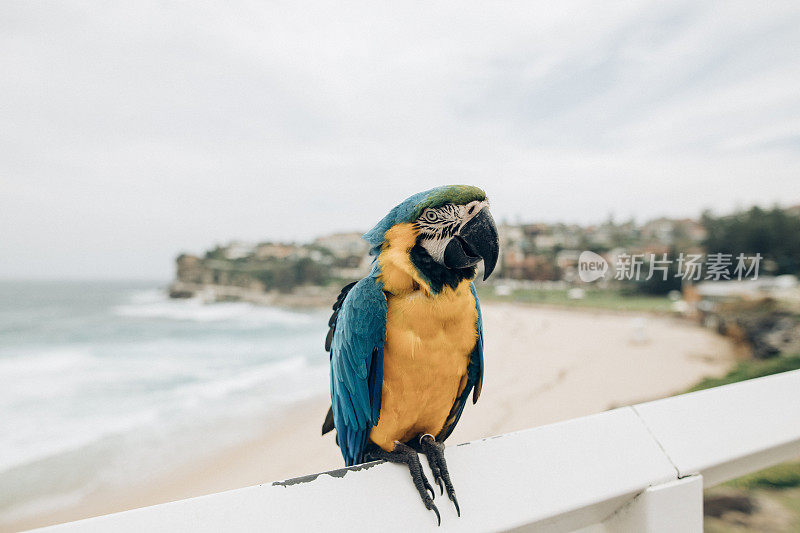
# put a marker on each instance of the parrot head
(452, 232)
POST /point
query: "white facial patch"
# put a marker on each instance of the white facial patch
(435, 247)
(438, 225)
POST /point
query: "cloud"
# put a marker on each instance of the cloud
(131, 132)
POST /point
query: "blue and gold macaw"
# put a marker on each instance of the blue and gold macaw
(406, 342)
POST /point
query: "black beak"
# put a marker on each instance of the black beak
(477, 241)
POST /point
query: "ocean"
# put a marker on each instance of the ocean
(102, 383)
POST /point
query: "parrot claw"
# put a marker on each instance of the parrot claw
(455, 502)
(438, 516)
(441, 485)
(403, 453)
(434, 451)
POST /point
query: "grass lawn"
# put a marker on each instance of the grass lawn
(751, 368)
(594, 299)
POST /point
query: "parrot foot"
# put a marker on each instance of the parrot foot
(434, 451)
(406, 455)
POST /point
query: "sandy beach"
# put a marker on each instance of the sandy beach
(543, 365)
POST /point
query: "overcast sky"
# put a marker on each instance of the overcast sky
(131, 131)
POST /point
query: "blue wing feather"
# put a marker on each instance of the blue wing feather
(357, 366)
(478, 352)
(474, 375)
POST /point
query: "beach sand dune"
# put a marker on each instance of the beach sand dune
(543, 365)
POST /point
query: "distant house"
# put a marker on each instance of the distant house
(238, 250)
(567, 262)
(599, 235)
(549, 236)
(269, 250)
(793, 211)
(670, 232)
(545, 241)
(189, 269)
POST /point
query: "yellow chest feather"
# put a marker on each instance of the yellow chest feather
(429, 340)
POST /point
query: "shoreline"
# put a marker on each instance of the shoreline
(543, 365)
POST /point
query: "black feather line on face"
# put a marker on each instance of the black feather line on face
(439, 223)
(438, 275)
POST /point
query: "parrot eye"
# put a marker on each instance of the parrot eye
(431, 216)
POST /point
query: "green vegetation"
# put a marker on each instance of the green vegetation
(656, 285)
(772, 233)
(216, 253)
(752, 368)
(286, 275)
(790, 500)
(782, 476)
(593, 299)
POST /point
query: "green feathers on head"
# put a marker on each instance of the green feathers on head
(448, 194)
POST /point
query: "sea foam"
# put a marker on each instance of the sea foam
(110, 385)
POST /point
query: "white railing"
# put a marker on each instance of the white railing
(639, 468)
